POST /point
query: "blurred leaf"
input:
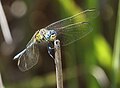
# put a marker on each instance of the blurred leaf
(103, 51)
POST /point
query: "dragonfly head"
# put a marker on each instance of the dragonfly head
(51, 35)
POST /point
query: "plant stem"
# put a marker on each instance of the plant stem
(58, 64)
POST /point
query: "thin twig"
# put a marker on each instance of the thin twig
(58, 64)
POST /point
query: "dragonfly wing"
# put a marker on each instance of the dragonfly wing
(29, 58)
(74, 32)
(84, 16)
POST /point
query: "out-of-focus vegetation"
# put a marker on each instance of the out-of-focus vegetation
(92, 62)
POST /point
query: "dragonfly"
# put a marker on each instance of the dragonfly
(68, 30)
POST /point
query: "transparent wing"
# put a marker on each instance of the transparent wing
(73, 32)
(29, 58)
(84, 16)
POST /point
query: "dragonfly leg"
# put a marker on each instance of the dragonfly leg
(51, 50)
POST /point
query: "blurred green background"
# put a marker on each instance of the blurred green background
(92, 62)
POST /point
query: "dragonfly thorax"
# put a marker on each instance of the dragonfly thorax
(39, 35)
